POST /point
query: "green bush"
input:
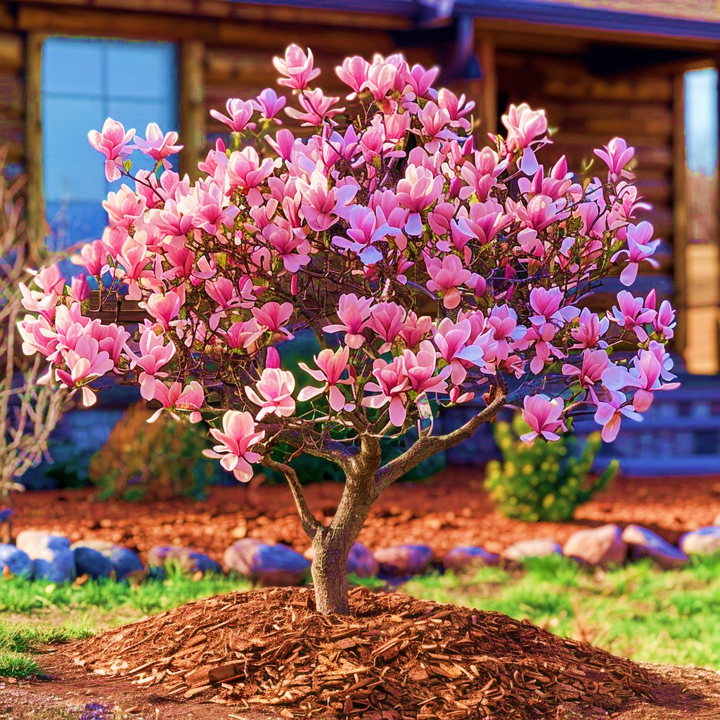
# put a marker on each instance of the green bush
(542, 480)
(157, 461)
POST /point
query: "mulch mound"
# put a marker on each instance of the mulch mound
(393, 657)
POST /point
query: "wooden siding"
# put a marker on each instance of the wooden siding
(686, 9)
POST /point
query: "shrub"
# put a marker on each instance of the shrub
(156, 461)
(542, 480)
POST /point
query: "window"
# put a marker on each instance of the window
(84, 82)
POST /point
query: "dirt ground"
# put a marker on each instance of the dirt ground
(449, 510)
(683, 693)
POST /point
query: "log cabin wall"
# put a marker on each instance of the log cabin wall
(587, 111)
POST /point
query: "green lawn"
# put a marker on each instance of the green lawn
(638, 611)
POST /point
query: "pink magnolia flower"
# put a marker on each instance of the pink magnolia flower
(113, 144)
(297, 68)
(524, 125)
(420, 370)
(544, 416)
(238, 434)
(292, 248)
(354, 73)
(93, 257)
(420, 80)
(616, 155)
(189, 398)
(157, 145)
(79, 288)
(247, 172)
(50, 280)
(547, 305)
(154, 355)
(590, 329)
(85, 362)
(610, 413)
(631, 314)
(321, 205)
(417, 191)
(447, 275)
(240, 113)
(164, 308)
(451, 340)
(481, 173)
(331, 367)
(391, 387)
(269, 104)
(275, 389)
(640, 246)
(123, 207)
(415, 329)
(386, 319)
(273, 316)
(354, 313)
(594, 363)
(364, 230)
(244, 335)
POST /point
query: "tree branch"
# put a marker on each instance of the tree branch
(311, 525)
(428, 446)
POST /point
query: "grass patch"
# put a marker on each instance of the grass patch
(17, 665)
(638, 611)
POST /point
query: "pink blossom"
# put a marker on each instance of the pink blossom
(364, 230)
(297, 68)
(415, 329)
(275, 389)
(631, 314)
(610, 413)
(238, 434)
(189, 398)
(616, 156)
(640, 247)
(451, 341)
(79, 288)
(590, 329)
(481, 173)
(154, 355)
(547, 304)
(354, 313)
(157, 145)
(524, 125)
(420, 370)
(113, 144)
(273, 316)
(594, 363)
(50, 280)
(386, 319)
(93, 257)
(417, 191)
(269, 104)
(392, 386)
(354, 73)
(245, 171)
(240, 113)
(421, 80)
(164, 308)
(123, 207)
(331, 367)
(317, 107)
(321, 205)
(544, 416)
(381, 78)
(290, 247)
(447, 275)
(85, 363)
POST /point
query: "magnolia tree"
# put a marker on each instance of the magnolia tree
(428, 268)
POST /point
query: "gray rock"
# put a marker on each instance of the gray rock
(601, 546)
(188, 560)
(467, 558)
(541, 547)
(266, 565)
(704, 541)
(16, 561)
(360, 560)
(124, 561)
(51, 556)
(92, 562)
(403, 560)
(645, 543)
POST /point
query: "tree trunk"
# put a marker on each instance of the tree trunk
(329, 573)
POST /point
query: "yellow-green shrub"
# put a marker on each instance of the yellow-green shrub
(542, 480)
(156, 461)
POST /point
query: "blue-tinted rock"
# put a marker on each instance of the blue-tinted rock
(266, 565)
(643, 542)
(92, 562)
(51, 556)
(362, 562)
(462, 559)
(403, 560)
(523, 549)
(16, 561)
(124, 561)
(601, 546)
(189, 560)
(704, 541)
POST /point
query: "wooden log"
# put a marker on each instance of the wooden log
(488, 100)
(37, 226)
(192, 105)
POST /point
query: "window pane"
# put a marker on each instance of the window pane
(72, 66)
(141, 70)
(701, 120)
(72, 169)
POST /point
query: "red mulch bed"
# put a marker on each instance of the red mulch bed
(450, 510)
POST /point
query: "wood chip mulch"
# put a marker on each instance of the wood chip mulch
(393, 657)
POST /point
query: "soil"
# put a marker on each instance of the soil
(394, 658)
(449, 510)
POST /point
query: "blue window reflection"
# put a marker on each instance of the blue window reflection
(83, 82)
(701, 120)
